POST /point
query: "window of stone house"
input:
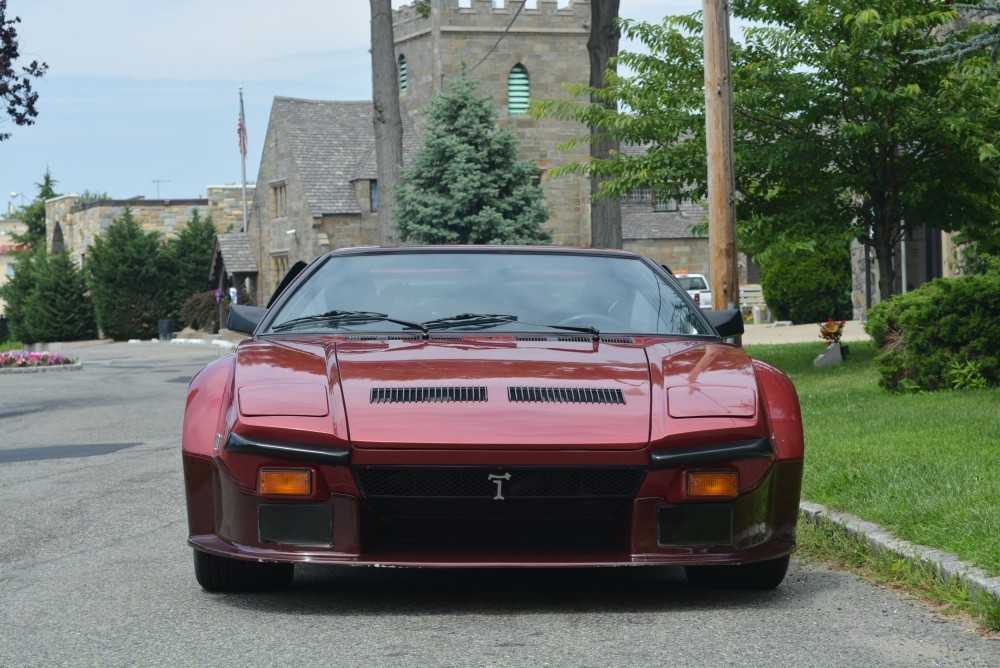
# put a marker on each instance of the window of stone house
(279, 266)
(279, 200)
(664, 203)
(518, 89)
(373, 195)
(402, 74)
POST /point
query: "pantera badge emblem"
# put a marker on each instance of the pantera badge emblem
(499, 480)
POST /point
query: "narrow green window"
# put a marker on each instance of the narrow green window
(518, 89)
(402, 75)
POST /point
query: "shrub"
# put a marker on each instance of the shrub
(805, 285)
(941, 335)
(201, 311)
(58, 308)
(127, 281)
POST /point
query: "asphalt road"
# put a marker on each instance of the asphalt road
(94, 570)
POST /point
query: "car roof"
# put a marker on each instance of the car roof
(541, 250)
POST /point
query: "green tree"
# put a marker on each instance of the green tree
(17, 99)
(58, 308)
(839, 133)
(188, 260)
(126, 282)
(17, 291)
(33, 215)
(466, 185)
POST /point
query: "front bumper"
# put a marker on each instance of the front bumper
(651, 527)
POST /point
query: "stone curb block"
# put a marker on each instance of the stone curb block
(946, 564)
(43, 369)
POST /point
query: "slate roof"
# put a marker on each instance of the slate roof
(333, 144)
(237, 255)
(653, 225)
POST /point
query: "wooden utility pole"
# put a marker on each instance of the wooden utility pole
(387, 118)
(725, 280)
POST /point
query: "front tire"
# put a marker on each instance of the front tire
(758, 576)
(215, 573)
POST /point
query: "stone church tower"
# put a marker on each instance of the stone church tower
(518, 54)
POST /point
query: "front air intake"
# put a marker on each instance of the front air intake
(565, 395)
(408, 395)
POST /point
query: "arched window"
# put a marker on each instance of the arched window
(58, 245)
(518, 89)
(402, 74)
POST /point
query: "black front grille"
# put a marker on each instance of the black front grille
(551, 506)
(475, 482)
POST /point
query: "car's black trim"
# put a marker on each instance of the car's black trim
(709, 454)
(298, 451)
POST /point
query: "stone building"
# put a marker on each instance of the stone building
(318, 186)
(8, 229)
(72, 226)
(318, 180)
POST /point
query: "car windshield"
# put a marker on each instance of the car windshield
(692, 282)
(487, 291)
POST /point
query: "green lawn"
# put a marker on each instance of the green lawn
(925, 466)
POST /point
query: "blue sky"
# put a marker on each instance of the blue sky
(140, 91)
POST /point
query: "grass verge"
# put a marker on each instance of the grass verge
(825, 541)
(925, 466)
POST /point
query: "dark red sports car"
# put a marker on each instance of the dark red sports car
(486, 407)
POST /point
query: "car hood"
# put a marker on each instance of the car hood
(472, 392)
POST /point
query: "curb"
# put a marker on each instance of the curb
(43, 369)
(947, 565)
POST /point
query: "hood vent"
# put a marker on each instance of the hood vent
(576, 339)
(565, 395)
(382, 337)
(406, 395)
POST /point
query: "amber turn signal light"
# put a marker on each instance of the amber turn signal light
(713, 484)
(285, 482)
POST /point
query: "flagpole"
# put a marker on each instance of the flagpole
(243, 154)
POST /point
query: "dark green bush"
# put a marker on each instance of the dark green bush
(58, 309)
(804, 285)
(941, 335)
(201, 311)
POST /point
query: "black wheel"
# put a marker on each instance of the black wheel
(216, 573)
(761, 575)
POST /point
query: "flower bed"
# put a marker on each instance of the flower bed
(16, 359)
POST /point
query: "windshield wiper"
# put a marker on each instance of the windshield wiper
(347, 317)
(595, 333)
(478, 320)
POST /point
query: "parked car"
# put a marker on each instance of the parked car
(697, 287)
(485, 407)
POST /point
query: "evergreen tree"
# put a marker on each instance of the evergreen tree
(188, 260)
(126, 281)
(33, 215)
(466, 185)
(57, 309)
(17, 290)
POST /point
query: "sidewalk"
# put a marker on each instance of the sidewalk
(854, 330)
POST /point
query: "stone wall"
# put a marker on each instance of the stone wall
(681, 255)
(72, 226)
(550, 42)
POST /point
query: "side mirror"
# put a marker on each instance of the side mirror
(727, 323)
(245, 319)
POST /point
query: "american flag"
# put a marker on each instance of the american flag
(241, 130)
